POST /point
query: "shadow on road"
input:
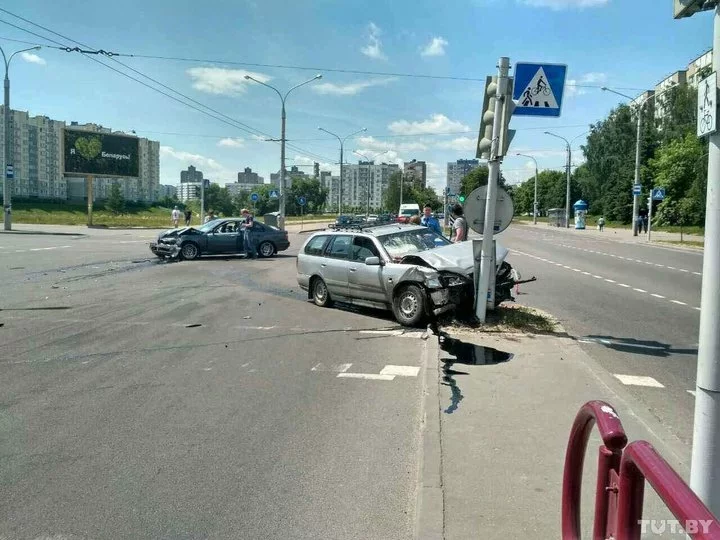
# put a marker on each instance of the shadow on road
(638, 346)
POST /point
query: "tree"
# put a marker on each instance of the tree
(115, 202)
(310, 188)
(391, 198)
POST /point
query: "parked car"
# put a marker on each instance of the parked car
(408, 269)
(219, 236)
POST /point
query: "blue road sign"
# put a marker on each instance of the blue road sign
(9, 171)
(637, 189)
(254, 197)
(274, 194)
(301, 201)
(658, 194)
(538, 89)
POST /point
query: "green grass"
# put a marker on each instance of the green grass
(690, 243)
(509, 319)
(591, 222)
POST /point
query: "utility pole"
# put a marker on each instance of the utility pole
(705, 465)
(486, 258)
(567, 189)
(8, 169)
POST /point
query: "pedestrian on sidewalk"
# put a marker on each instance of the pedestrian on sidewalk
(601, 223)
(188, 217)
(175, 217)
(459, 225)
(247, 223)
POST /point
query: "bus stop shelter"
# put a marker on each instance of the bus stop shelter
(556, 217)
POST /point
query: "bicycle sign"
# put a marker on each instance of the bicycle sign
(707, 106)
(538, 89)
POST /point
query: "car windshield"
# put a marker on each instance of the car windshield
(209, 226)
(398, 245)
(409, 212)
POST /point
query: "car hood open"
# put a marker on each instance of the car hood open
(456, 258)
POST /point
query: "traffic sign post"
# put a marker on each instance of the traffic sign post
(637, 189)
(539, 88)
(475, 210)
(274, 194)
(707, 106)
(301, 202)
(254, 197)
(658, 194)
(705, 463)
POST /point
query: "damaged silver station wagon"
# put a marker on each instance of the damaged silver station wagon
(406, 268)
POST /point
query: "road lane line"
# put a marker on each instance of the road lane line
(696, 308)
(638, 380)
(698, 273)
(639, 290)
(657, 295)
(691, 392)
(610, 280)
(400, 371)
(367, 376)
(678, 302)
(623, 285)
(597, 277)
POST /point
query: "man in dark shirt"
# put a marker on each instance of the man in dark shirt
(247, 223)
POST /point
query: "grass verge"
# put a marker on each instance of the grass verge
(507, 319)
(685, 243)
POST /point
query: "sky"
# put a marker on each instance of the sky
(410, 72)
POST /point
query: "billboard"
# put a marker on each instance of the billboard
(100, 154)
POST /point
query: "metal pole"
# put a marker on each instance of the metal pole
(402, 178)
(636, 198)
(282, 168)
(535, 205)
(340, 190)
(90, 197)
(7, 196)
(567, 193)
(202, 201)
(705, 465)
(486, 259)
(650, 205)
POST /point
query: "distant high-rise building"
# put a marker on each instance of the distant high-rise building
(290, 175)
(166, 191)
(416, 172)
(364, 183)
(249, 177)
(457, 170)
(316, 170)
(191, 176)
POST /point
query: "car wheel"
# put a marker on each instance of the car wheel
(409, 305)
(266, 249)
(320, 293)
(190, 251)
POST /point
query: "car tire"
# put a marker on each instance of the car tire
(320, 293)
(190, 251)
(266, 249)
(409, 305)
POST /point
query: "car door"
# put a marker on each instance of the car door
(224, 237)
(365, 281)
(335, 264)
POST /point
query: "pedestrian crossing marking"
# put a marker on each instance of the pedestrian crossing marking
(538, 92)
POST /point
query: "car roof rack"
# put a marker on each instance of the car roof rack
(363, 225)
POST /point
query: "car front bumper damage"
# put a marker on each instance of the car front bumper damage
(162, 249)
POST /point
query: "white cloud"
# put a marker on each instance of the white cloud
(436, 47)
(374, 145)
(436, 176)
(223, 81)
(374, 47)
(189, 158)
(571, 86)
(258, 138)
(172, 161)
(461, 144)
(232, 143)
(307, 165)
(558, 5)
(437, 123)
(542, 154)
(32, 58)
(349, 89)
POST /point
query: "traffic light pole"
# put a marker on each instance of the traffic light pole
(705, 465)
(486, 259)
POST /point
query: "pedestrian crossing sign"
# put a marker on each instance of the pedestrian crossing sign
(538, 89)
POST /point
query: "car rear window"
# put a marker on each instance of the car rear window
(316, 245)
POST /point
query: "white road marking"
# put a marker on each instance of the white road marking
(576, 269)
(671, 268)
(586, 273)
(657, 295)
(368, 376)
(623, 285)
(691, 392)
(638, 380)
(336, 368)
(683, 270)
(383, 332)
(678, 302)
(639, 290)
(696, 308)
(610, 280)
(400, 371)
(597, 277)
(698, 273)
(567, 267)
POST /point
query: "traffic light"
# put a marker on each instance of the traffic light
(461, 198)
(488, 117)
(507, 135)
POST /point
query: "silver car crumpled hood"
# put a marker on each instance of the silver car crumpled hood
(457, 258)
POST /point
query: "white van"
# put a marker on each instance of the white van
(407, 211)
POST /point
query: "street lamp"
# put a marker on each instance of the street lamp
(282, 139)
(535, 203)
(342, 144)
(368, 178)
(567, 193)
(7, 195)
(636, 198)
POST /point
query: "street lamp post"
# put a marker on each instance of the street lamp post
(535, 203)
(567, 192)
(636, 198)
(7, 194)
(282, 139)
(342, 145)
(369, 161)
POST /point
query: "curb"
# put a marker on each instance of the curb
(44, 233)
(429, 515)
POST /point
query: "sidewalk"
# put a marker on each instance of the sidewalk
(496, 434)
(620, 235)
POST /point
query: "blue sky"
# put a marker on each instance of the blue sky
(629, 45)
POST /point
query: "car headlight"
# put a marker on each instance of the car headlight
(454, 281)
(433, 283)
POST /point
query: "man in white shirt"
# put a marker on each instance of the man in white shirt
(460, 224)
(175, 216)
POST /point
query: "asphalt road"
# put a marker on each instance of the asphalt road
(634, 308)
(204, 399)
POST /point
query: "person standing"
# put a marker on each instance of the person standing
(601, 223)
(175, 217)
(247, 223)
(188, 217)
(460, 225)
(430, 221)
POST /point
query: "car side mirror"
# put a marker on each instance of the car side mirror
(373, 261)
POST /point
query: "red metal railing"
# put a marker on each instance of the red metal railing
(620, 487)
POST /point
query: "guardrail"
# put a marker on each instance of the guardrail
(620, 487)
